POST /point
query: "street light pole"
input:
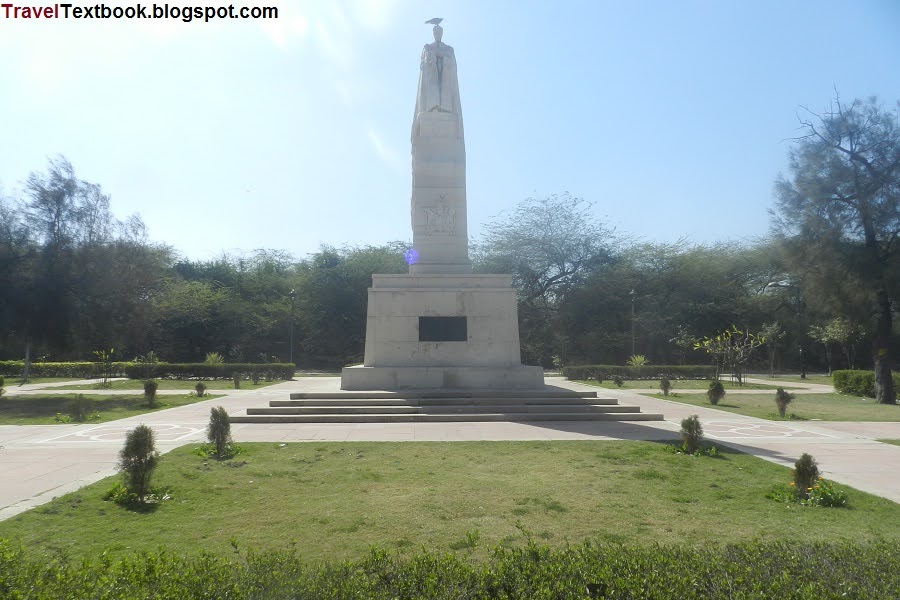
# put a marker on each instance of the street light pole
(292, 294)
(632, 323)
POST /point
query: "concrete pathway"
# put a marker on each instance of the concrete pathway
(40, 462)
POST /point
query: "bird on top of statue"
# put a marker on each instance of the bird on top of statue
(434, 21)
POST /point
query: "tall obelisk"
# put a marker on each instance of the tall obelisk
(440, 326)
(440, 239)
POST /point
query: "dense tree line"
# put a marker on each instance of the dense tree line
(822, 290)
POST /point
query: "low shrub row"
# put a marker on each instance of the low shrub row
(860, 383)
(750, 571)
(83, 370)
(136, 370)
(608, 372)
(164, 370)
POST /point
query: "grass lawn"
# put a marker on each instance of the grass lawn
(335, 500)
(11, 381)
(41, 410)
(171, 384)
(686, 384)
(825, 407)
(894, 442)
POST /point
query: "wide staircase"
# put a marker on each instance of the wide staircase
(548, 404)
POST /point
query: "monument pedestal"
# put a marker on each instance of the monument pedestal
(442, 331)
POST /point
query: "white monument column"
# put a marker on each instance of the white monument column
(438, 205)
(440, 326)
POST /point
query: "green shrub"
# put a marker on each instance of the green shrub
(82, 370)
(715, 392)
(214, 358)
(617, 379)
(806, 473)
(137, 460)
(200, 388)
(150, 387)
(147, 364)
(670, 372)
(236, 378)
(859, 383)
(665, 385)
(749, 570)
(691, 434)
(637, 360)
(254, 376)
(218, 431)
(80, 409)
(283, 371)
(782, 399)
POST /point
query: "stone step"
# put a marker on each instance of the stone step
(449, 401)
(456, 409)
(418, 394)
(333, 410)
(447, 417)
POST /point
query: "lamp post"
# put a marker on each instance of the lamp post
(293, 295)
(632, 323)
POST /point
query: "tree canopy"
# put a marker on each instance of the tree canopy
(838, 216)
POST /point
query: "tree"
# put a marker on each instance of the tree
(549, 245)
(838, 331)
(218, 431)
(841, 206)
(137, 460)
(773, 334)
(731, 349)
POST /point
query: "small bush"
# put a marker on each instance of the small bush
(782, 399)
(254, 376)
(715, 392)
(691, 434)
(150, 387)
(806, 473)
(859, 383)
(665, 385)
(236, 378)
(617, 379)
(218, 431)
(80, 409)
(637, 360)
(137, 460)
(200, 388)
(214, 358)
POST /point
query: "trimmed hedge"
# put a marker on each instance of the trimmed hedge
(161, 370)
(607, 372)
(164, 370)
(860, 383)
(788, 571)
(83, 370)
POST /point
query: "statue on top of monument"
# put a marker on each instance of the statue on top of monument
(438, 85)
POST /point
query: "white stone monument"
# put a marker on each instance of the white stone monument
(440, 326)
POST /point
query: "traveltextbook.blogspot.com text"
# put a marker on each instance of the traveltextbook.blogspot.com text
(136, 11)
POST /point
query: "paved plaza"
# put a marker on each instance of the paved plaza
(40, 462)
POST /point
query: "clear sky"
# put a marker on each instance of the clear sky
(670, 116)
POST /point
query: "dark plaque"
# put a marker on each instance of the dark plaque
(443, 329)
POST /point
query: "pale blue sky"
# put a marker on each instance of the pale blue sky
(670, 116)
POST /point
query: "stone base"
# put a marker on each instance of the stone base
(444, 378)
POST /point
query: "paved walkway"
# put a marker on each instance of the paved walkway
(40, 462)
